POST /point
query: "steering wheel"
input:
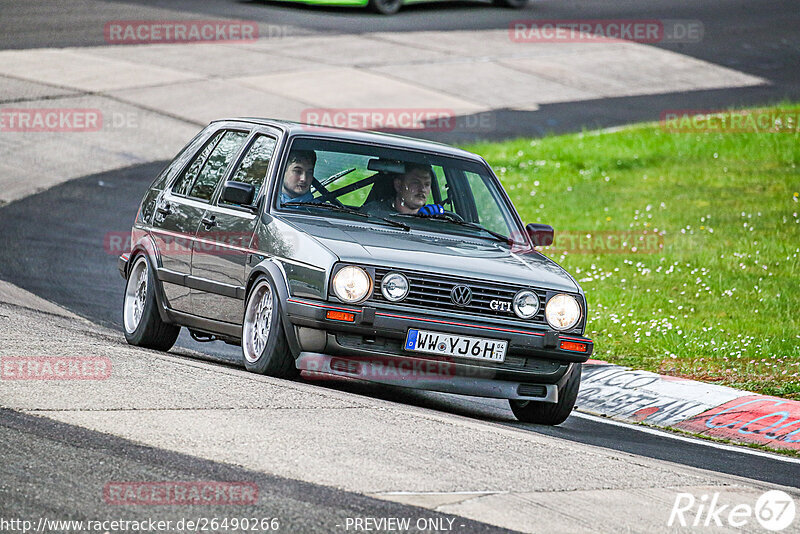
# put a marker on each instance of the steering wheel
(450, 215)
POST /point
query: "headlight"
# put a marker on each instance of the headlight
(526, 304)
(394, 287)
(352, 284)
(562, 312)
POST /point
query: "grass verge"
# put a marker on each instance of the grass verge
(703, 278)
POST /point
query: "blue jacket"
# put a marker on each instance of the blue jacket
(306, 197)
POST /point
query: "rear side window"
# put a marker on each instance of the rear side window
(184, 183)
(216, 165)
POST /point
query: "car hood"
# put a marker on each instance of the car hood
(443, 253)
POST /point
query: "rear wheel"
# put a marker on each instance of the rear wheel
(264, 344)
(142, 323)
(385, 7)
(549, 413)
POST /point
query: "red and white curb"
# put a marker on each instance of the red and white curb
(708, 409)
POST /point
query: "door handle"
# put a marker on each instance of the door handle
(164, 209)
(208, 222)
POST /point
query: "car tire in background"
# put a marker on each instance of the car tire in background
(549, 413)
(140, 318)
(514, 4)
(264, 346)
(385, 7)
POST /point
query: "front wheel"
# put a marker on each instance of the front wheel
(142, 323)
(549, 413)
(264, 344)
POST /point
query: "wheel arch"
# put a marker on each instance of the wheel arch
(145, 246)
(271, 270)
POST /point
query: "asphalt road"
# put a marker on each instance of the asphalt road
(65, 258)
(756, 37)
(59, 472)
(52, 243)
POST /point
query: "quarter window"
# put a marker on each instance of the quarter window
(217, 164)
(184, 183)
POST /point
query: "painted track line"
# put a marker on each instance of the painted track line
(678, 437)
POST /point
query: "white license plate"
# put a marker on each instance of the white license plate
(457, 346)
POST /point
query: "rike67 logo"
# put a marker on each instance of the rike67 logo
(774, 511)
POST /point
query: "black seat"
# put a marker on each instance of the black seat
(382, 188)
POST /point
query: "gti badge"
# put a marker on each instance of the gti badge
(499, 305)
(461, 295)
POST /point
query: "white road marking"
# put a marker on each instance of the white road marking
(697, 441)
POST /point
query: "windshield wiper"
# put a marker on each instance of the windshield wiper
(345, 209)
(450, 218)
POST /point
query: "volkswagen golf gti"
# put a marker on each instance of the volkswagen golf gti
(355, 254)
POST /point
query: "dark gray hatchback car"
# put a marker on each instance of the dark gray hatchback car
(359, 255)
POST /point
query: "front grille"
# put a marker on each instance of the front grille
(432, 291)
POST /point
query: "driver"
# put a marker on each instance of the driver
(298, 177)
(411, 193)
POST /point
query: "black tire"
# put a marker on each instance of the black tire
(548, 413)
(513, 4)
(149, 331)
(385, 7)
(274, 358)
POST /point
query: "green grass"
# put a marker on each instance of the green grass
(720, 301)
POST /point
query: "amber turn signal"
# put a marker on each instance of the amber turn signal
(571, 345)
(340, 316)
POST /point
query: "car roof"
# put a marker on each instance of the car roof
(292, 128)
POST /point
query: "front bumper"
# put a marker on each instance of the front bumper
(423, 374)
(533, 357)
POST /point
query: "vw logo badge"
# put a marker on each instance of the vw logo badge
(461, 295)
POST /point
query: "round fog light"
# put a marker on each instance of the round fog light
(526, 304)
(394, 287)
(352, 284)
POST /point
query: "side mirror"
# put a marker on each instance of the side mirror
(541, 234)
(238, 193)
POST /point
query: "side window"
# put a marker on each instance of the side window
(489, 213)
(218, 162)
(184, 183)
(253, 169)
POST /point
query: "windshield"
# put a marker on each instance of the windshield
(427, 192)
